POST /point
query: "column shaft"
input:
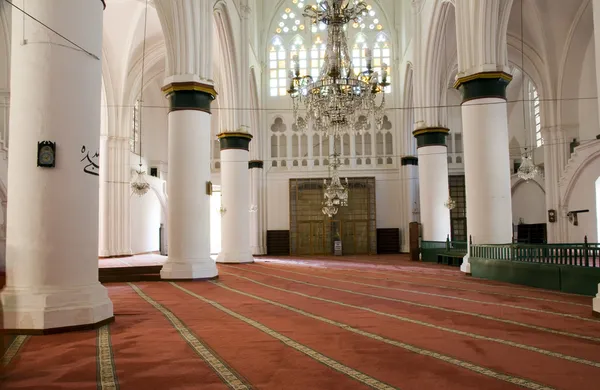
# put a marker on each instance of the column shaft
(434, 192)
(486, 158)
(189, 172)
(409, 176)
(235, 222)
(256, 224)
(52, 221)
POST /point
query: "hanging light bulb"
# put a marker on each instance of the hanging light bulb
(139, 185)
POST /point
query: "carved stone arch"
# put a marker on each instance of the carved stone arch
(256, 146)
(583, 159)
(435, 67)
(517, 182)
(5, 34)
(582, 29)
(155, 54)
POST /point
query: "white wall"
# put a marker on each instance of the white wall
(145, 223)
(145, 212)
(583, 196)
(528, 203)
(588, 103)
(387, 190)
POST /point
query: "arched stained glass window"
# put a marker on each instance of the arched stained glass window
(134, 139)
(291, 28)
(277, 67)
(534, 101)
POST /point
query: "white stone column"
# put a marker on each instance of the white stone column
(52, 222)
(433, 183)
(409, 176)
(486, 159)
(189, 172)
(256, 223)
(115, 191)
(235, 222)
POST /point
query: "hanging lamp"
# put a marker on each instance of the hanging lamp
(139, 185)
(527, 170)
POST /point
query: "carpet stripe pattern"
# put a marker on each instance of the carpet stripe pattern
(13, 349)
(226, 373)
(322, 324)
(401, 281)
(359, 376)
(106, 373)
(483, 316)
(449, 297)
(471, 335)
(448, 359)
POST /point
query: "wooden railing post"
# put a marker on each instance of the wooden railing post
(470, 244)
(586, 252)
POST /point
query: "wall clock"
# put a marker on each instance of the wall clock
(46, 155)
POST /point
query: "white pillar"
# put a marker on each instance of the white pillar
(433, 185)
(189, 172)
(235, 222)
(52, 222)
(256, 224)
(409, 176)
(486, 159)
(115, 191)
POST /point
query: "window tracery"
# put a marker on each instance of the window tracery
(295, 35)
(134, 138)
(536, 118)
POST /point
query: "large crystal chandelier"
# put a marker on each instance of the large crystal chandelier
(335, 194)
(339, 97)
(527, 170)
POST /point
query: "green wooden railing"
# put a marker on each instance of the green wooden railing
(431, 249)
(577, 254)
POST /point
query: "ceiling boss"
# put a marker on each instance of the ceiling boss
(341, 94)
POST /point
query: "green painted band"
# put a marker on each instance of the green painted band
(256, 164)
(409, 160)
(483, 87)
(432, 138)
(233, 142)
(189, 100)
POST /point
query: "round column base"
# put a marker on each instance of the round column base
(258, 251)
(42, 309)
(465, 267)
(235, 258)
(178, 269)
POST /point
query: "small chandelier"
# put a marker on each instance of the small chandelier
(450, 203)
(140, 186)
(337, 100)
(253, 208)
(335, 194)
(527, 170)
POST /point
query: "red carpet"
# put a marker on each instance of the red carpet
(376, 322)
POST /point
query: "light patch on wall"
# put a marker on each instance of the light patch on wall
(598, 209)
